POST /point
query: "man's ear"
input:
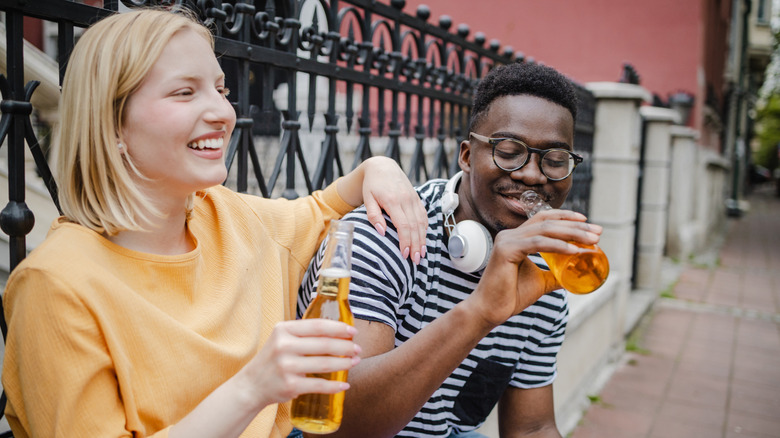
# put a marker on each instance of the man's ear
(464, 155)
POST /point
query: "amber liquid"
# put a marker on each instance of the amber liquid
(322, 413)
(580, 273)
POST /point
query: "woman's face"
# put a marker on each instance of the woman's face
(177, 124)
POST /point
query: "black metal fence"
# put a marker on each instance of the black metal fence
(318, 85)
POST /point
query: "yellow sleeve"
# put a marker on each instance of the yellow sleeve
(57, 370)
(299, 225)
(327, 206)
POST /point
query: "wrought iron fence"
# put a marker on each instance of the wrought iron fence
(368, 78)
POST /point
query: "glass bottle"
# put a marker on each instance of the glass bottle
(580, 273)
(322, 413)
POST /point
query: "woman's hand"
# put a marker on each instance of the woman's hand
(384, 186)
(278, 372)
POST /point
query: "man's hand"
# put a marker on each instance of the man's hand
(512, 282)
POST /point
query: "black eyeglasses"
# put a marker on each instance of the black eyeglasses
(511, 154)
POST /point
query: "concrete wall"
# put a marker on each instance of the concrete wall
(680, 210)
(595, 335)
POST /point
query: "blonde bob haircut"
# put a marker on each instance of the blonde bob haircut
(112, 58)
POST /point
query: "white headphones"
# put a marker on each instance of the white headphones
(470, 242)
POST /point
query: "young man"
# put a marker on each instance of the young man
(446, 339)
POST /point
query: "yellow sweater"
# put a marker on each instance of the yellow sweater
(105, 341)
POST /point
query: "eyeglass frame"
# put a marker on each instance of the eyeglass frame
(541, 152)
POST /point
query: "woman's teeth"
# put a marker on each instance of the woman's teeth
(211, 143)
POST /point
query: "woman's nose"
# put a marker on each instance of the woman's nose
(220, 110)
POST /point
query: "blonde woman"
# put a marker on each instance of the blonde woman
(160, 303)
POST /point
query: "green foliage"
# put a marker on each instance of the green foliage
(768, 132)
(594, 398)
(634, 339)
(668, 291)
(632, 345)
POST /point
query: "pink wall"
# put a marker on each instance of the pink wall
(590, 40)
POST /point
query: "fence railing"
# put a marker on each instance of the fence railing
(318, 86)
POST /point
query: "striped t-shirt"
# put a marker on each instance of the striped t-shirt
(392, 290)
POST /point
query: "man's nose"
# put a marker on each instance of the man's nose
(531, 173)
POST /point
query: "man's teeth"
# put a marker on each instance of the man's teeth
(211, 143)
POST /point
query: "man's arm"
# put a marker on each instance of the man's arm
(390, 385)
(527, 413)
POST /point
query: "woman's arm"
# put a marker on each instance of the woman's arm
(381, 184)
(61, 378)
(275, 375)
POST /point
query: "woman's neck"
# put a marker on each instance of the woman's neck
(167, 235)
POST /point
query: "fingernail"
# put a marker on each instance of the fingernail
(422, 252)
(416, 258)
(344, 386)
(355, 360)
(380, 229)
(405, 253)
(351, 330)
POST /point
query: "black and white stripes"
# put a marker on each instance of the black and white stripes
(392, 290)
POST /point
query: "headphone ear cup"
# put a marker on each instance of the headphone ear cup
(473, 241)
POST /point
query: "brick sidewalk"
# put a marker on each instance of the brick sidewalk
(706, 363)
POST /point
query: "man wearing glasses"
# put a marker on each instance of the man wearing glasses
(477, 319)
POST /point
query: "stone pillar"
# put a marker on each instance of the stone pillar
(615, 168)
(654, 196)
(613, 192)
(685, 176)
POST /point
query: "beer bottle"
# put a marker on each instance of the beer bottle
(580, 273)
(322, 413)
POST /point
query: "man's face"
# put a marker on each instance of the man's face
(489, 194)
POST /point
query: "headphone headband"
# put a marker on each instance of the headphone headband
(470, 242)
(449, 200)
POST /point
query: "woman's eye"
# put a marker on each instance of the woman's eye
(184, 92)
(224, 91)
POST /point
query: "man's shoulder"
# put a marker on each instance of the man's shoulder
(432, 189)
(430, 192)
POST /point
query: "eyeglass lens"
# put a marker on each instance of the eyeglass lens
(510, 155)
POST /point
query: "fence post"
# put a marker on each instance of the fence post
(613, 196)
(654, 196)
(682, 232)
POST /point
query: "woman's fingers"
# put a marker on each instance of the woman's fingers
(387, 188)
(409, 219)
(317, 327)
(321, 364)
(296, 356)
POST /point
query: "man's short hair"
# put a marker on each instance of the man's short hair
(523, 78)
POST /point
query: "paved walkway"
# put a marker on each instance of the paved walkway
(706, 362)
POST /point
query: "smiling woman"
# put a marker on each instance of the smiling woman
(176, 123)
(163, 295)
(88, 158)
